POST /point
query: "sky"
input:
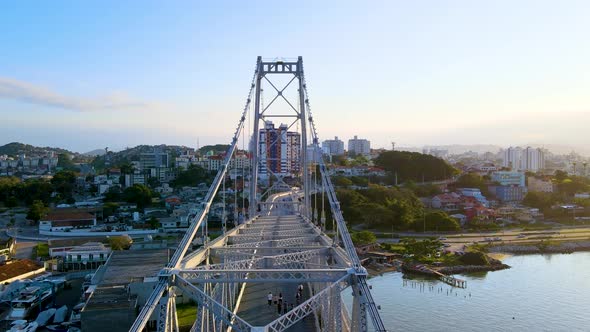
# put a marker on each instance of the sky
(92, 74)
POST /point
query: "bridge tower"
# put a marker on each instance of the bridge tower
(285, 81)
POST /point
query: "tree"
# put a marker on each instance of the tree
(37, 211)
(11, 202)
(421, 248)
(439, 221)
(154, 222)
(363, 237)
(192, 177)
(413, 166)
(472, 180)
(138, 194)
(122, 242)
(341, 181)
(64, 161)
(63, 182)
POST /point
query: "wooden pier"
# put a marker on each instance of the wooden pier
(450, 280)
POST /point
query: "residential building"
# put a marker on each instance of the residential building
(475, 193)
(66, 220)
(333, 147)
(154, 159)
(524, 159)
(510, 193)
(90, 255)
(509, 178)
(446, 202)
(359, 146)
(279, 150)
(540, 185)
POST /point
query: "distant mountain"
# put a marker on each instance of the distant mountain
(95, 153)
(459, 148)
(15, 148)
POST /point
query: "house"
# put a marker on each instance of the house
(540, 185)
(446, 202)
(476, 193)
(66, 220)
(90, 255)
(365, 248)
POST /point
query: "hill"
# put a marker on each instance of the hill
(15, 148)
(133, 154)
(94, 153)
(413, 166)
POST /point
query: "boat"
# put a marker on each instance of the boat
(45, 316)
(23, 327)
(60, 314)
(57, 328)
(28, 300)
(76, 314)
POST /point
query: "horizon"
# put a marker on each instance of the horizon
(476, 73)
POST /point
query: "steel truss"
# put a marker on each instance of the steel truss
(281, 244)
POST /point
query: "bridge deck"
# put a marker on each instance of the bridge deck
(254, 306)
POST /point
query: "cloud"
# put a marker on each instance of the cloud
(30, 93)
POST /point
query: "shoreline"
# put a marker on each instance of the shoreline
(541, 248)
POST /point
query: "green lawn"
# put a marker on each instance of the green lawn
(41, 251)
(186, 313)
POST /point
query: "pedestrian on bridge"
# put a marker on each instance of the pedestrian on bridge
(279, 308)
(269, 298)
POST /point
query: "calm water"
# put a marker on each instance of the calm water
(541, 292)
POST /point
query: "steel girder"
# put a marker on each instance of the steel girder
(262, 275)
(308, 307)
(219, 311)
(266, 261)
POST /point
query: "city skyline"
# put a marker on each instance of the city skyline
(86, 76)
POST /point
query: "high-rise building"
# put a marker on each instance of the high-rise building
(359, 146)
(333, 147)
(154, 159)
(527, 159)
(280, 150)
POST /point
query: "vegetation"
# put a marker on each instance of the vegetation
(41, 251)
(472, 180)
(14, 149)
(438, 221)
(186, 313)
(421, 248)
(413, 166)
(381, 207)
(363, 237)
(425, 190)
(122, 242)
(192, 177)
(541, 200)
(138, 194)
(37, 211)
(474, 258)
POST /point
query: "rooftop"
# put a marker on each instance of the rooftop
(68, 215)
(126, 265)
(16, 268)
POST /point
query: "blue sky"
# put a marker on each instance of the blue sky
(86, 75)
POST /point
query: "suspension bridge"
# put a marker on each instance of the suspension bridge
(280, 244)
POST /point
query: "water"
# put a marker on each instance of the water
(541, 292)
